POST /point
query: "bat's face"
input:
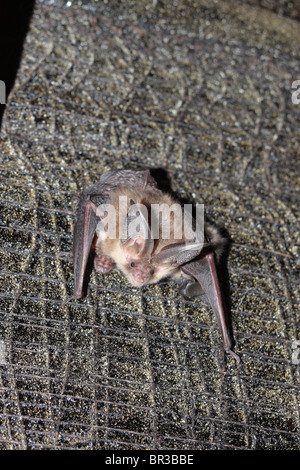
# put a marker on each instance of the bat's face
(139, 271)
(137, 237)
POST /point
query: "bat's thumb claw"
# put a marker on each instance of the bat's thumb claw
(74, 296)
(234, 355)
(65, 302)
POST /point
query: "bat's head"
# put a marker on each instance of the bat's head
(139, 261)
(143, 257)
(138, 264)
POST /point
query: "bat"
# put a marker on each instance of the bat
(144, 232)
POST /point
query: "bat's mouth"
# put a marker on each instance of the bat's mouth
(141, 277)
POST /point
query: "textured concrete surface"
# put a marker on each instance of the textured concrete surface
(202, 90)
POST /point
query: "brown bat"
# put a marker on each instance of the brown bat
(117, 212)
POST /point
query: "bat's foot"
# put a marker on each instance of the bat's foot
(103, 263)
(190, 288)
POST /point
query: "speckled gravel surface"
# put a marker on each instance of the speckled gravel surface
(202, 90)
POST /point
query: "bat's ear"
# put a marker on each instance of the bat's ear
(138, 247)
(137, 238)
(179, 253)
(147, 179)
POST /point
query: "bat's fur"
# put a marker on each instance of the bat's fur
(138, 267)
(123, 255)
(217, 240)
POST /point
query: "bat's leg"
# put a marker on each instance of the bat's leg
(103, 263)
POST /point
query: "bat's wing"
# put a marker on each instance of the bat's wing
(84, 232)
(87, 219)
(203, 269)
(197, 259)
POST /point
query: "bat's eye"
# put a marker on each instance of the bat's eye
(132, 264)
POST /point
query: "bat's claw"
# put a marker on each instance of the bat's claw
(73, 297)
(233, 354)
(65, 302)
